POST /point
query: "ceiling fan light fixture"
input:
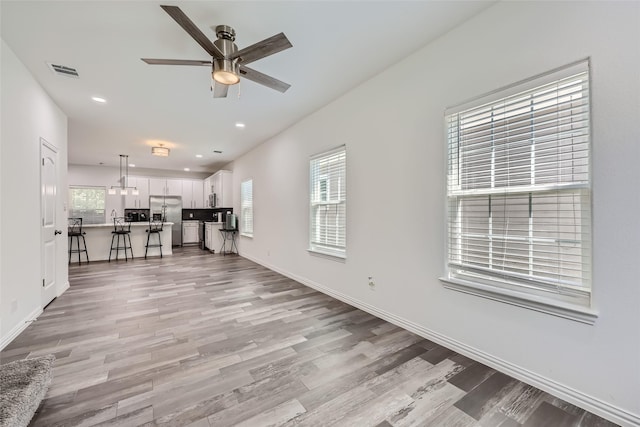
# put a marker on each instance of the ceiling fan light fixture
(160, 151)
(226, 71)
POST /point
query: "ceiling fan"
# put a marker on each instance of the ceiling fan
(228, 62)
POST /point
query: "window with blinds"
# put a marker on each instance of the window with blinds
(246, 208)
(328, 198)
(87, 203)
(518, 188)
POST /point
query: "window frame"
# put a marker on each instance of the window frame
(246, 221)
(324, 192)
(534, 296)
(87, 219)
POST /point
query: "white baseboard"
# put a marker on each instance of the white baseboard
(21, 326)
(582, 400)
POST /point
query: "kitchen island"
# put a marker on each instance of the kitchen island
(98, 239)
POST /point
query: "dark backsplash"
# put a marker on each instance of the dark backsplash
(203, 214)
(192, 214)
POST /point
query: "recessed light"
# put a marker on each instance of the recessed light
(187, 169)
(131, 165)
(98, 99)
(199, 156)
(239, 125)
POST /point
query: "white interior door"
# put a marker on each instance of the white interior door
(48, 195)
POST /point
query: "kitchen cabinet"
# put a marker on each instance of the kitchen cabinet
(174, 187)
(190, 231)
(212, 238)
(206, 186)
(222, 186)
(165, 187)
(192, 194)
(141, 201)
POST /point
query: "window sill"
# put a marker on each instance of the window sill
(544, 305)
(336, 256)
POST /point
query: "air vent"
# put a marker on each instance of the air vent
(217, 151)
(63, 70)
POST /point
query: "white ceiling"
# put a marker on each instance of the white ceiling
(336, 46)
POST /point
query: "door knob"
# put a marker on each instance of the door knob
(57, 232)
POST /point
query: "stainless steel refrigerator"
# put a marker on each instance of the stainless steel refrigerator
(170, 209)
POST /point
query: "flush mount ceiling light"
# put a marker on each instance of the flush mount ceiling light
(99, 100)
(239, 125)
(124, 179)
(160, 151)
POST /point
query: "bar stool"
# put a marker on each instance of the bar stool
(74, 230)
(155, 227)
(121, 227)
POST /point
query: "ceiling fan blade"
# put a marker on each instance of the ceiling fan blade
(183, 20)
(153, 61)
(262, 49)
(263, 79)
(219, 90)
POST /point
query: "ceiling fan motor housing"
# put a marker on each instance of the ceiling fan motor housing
(226, 71)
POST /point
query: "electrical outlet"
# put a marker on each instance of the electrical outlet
(14, 305)
(372, 284)
(268, 252)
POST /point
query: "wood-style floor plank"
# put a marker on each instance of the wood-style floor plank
(204, 340)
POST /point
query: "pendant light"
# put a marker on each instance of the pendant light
(124, 188)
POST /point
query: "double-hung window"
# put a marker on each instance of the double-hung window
(87, 203)
(328, 202)
(246, 208)
(518, 190)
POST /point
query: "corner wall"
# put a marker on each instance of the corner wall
(27, 114)
(394, 133)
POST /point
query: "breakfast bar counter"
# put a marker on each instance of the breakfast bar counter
(98, 237)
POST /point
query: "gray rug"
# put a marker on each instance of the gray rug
(23, 385)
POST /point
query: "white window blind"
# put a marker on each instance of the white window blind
(328, 198)
(87, 203)
(246, 208)
(519, 208)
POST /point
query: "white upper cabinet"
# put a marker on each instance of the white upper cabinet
(174, 187)
(192, 194)
(222, 186)
(165, 187)
(157, 186)
(141, 201)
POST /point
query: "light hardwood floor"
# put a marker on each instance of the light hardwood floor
(205, 340)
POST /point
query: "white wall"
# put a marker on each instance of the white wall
(394, 131)
(27, 115)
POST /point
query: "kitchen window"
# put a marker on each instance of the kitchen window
(328, 202)
(246, 208)
(87, 203)
(519, 195)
